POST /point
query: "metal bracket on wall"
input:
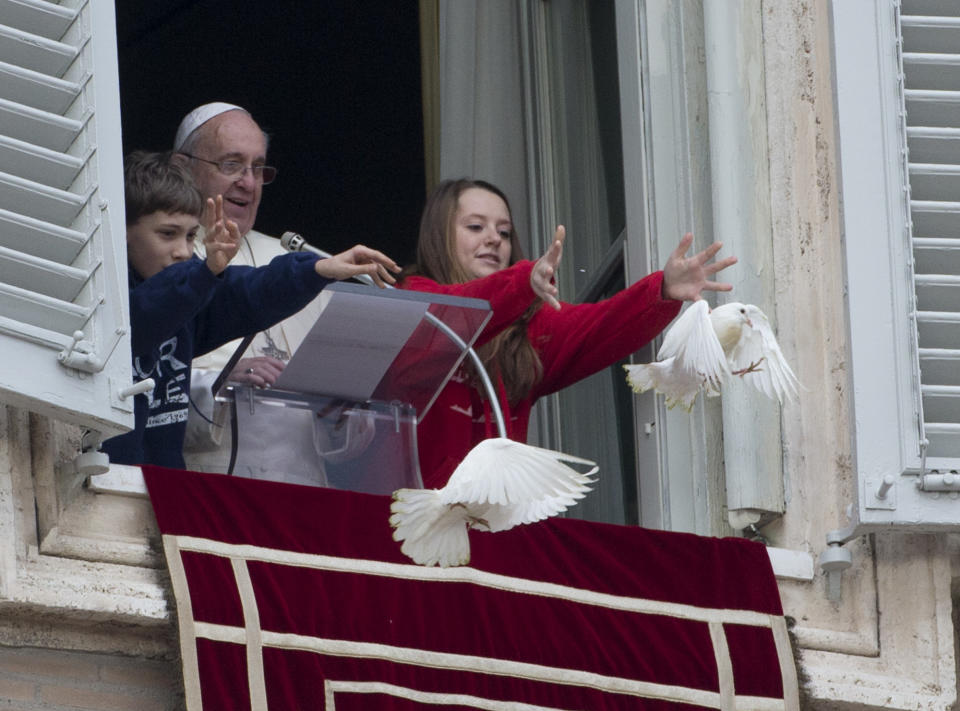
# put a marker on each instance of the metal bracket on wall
(835, 559)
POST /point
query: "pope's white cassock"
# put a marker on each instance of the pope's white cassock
(286, 444)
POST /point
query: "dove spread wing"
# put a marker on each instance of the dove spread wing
(509, 483)
(757, 345)
(498, 485)
(695, 346)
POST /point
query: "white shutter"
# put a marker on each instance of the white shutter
(898, 107)
(63, 301)
(931, 63)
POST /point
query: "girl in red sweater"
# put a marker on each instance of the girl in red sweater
(534, 344)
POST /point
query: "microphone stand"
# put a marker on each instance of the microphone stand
(293, 242)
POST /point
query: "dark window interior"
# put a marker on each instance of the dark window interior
(335, 83)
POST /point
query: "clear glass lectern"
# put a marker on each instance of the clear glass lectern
(343, 412)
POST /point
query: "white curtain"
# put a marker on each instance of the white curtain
(481, 100)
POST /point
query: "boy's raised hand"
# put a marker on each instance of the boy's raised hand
(221, 236)
(356, 261)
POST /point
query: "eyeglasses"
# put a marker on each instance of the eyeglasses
(236, 170)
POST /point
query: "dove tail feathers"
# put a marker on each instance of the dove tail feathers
(430, 531)
(639, 377)
(666, 378)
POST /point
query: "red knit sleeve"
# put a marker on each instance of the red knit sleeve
(582, 339)
(508, 292)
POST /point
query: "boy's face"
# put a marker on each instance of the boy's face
(159, 239)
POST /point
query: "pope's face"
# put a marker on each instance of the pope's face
(483, 231)
(231, 136)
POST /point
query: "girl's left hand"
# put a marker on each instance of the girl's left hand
(684, 278)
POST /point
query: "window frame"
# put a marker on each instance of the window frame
(663, 131)
(679, 468)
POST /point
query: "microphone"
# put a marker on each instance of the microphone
(292, 242)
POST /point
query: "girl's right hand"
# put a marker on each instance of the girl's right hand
(542, 278)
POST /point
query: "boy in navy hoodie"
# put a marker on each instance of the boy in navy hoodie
(182, 306)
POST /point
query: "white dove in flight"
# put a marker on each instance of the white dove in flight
(498, 485)
(705, 348)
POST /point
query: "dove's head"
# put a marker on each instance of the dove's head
(728, 321)
(733, 311)
(754, 315)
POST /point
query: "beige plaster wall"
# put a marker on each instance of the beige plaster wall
(84, 617)
(889, 641)
(34, 679)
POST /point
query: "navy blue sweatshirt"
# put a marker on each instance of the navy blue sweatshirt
(185, 311)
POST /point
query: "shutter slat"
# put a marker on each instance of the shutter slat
(939, 329)
(912, 21)
(41, 239)
(940, 365)
(934, 280)
(937, 292)
(929, 7)
(934, 145)
(934, 181)
(34, 52)
(935, 169)
(935, 219)
(933, 108)
(945, 427)
(31, 162)
(36, 90)
(944, 317)
(938, 406)
(937, 245)
(39, 201)
(932, 71)
(42, 18)
(39, 127)
(943, 59)
(41, 276)
(943, 440)
(934, 390)
(41, 311)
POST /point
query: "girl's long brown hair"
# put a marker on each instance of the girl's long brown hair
(509, 355)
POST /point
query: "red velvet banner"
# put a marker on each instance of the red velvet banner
(293, 598)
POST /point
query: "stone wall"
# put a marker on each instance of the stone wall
(32, 679)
